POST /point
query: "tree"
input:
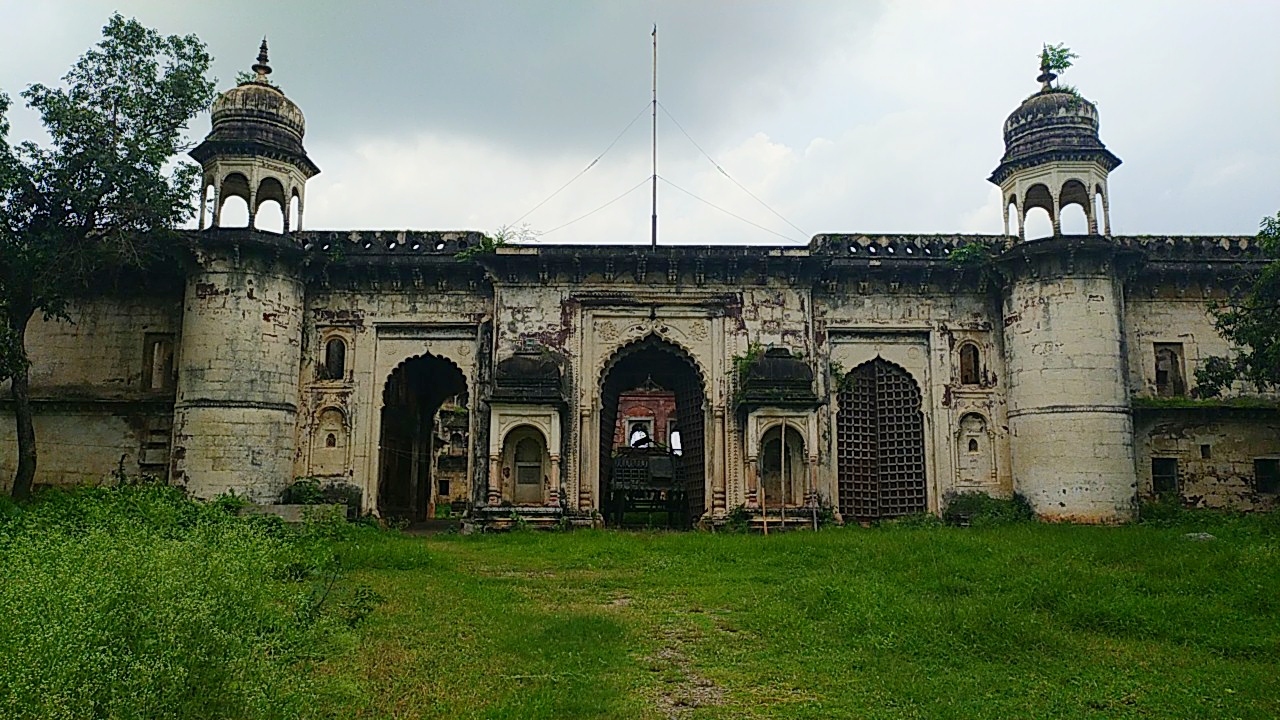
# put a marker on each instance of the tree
(105, 192)
(1250, 320)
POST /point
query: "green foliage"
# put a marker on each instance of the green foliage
(978, 509)
(738, 520)
(914, 521)
(742, 366)
(978, 258)
(244, 77)
(1250, 320)
(133, 601)
(311, 491)
(1202, 402)
(503, 236)
(1056, 58)
(105, 193)
(303, 491)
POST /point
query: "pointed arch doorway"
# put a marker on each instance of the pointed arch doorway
(880, 443)
(408, 444)
(655, 363)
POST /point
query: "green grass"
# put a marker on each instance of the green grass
(1027, 620)
(137, 603)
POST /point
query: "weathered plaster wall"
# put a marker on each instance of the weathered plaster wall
(383, 327)
(1215, 454)
(920, 328)
(94, 413)
(1167, 313)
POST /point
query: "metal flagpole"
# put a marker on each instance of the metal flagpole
(653, 241)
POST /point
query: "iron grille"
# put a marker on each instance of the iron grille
(880, 443)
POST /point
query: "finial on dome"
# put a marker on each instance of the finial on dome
(261, 68)
(1047, 76)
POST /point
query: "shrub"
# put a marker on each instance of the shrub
(309, 491)
(738, 520)
(979, 509)
(137, 602)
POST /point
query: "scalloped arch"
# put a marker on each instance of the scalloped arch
(652, 339)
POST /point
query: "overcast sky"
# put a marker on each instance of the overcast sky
(841, 116)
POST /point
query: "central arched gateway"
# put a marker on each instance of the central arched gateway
(410, 448)
(654, 363)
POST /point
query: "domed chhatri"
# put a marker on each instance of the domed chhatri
(254, 150)
(1053, 157)
(258, 110)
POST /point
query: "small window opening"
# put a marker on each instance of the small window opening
(1164, 475)
(640, 433)
(157, 373)
(973, 445)
(674, 440)
(1266, 474)
(970, 365)
(331, 440)
(444, 486)
(1206, 452)
(335, 360)
(1170, 380)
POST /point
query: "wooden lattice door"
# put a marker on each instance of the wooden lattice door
(880, 443)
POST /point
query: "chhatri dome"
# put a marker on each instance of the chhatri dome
(1053, 156)
(256, 113)
(254, 149)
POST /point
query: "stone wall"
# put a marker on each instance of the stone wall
(236, 407)
(1215, 451)
(1069, 410)
(103, 399)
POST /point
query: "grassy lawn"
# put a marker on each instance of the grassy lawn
(1025, 621)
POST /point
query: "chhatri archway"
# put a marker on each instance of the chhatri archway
(655, 362)
(411, 398)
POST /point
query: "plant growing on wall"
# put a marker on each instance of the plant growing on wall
(102, 194)
(1056, 58)
(503, 236)
(1250, 320)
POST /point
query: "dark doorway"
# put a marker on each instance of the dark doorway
(880, 443)
(411, 398)
(645, 366)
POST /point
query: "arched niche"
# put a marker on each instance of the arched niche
(784, 470)
(526, 467)
(333, 363)
(330, 438)
(975, 451)
(970, 364)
